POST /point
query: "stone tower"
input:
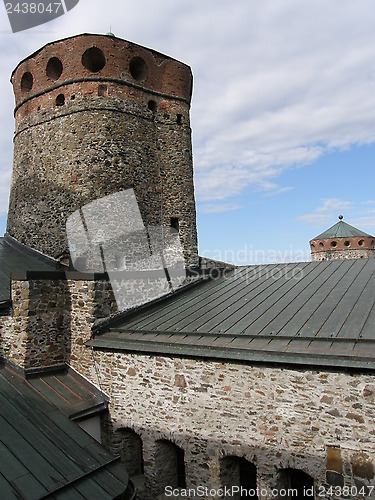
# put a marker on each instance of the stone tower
(342, 241)
(96, 115)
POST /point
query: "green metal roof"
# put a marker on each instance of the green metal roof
(15, 257)
(73, 395)
(342, 230)
(44, 454)
(312, 313)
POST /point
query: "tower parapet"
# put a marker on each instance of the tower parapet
(342, 241)
(95, 115)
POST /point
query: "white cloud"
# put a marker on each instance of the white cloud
(358, 215)
(277, 84)
(4, 190)
(364, 222)
(214, 208)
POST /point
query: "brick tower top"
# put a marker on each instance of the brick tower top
(342, 241)
(96, 58)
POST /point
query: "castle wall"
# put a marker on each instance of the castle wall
(51, 319)
(317, 421)
(37, 335)
(87, 134)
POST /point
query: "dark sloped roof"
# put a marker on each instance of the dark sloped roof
(16, 257)
(46, 455)
(342, 230)
(313, 313)
(69, 392)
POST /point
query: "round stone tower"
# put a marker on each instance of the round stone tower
(342, 241)
(96, 115)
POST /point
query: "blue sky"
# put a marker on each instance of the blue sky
(267, 227)
(283, 111)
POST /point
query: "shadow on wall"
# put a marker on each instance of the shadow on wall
(69, 172)
(155, 462)
(60, 313)
(48, 324)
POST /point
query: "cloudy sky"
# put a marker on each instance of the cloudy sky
(283, 111)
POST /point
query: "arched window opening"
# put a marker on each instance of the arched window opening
(237, 471)
(295, 484)
(102, 90)
(128, 444)
(169, 465)
(152, 106)
(175, 223)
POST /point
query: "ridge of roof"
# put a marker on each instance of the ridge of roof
(322, 312)
(342, 230)
(60, 458)
(15, 257)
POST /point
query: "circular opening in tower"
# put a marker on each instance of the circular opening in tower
(334, 244)
(60, 100)
(347, 243)
(152, 106)
(361, 243)
(321, 244)
(27, 82)
(54, 68)
(138, 68)
(93, 59)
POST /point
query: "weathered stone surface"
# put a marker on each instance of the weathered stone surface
(362, 465)
(134, 134)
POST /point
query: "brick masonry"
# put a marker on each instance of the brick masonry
(343, 248)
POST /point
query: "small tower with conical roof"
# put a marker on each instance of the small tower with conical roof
(342, 241)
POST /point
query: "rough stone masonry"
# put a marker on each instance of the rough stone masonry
(96, 115)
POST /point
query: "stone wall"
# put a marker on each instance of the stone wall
(316, 421)
(51, 319)
(37, 333)
(353, 253)
(47, 315)
(86, 134)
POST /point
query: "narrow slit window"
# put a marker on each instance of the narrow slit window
(102, 90)
(175, 223)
